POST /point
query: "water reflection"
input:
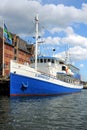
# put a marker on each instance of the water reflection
(47, 113)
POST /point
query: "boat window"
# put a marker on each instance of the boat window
(44, 60)
(60, 62)
(48, 60)
(63, 67)
(41, 60)
(52, 61)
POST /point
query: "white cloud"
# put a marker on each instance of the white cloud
(70, 38)
(78, 52)
(75, 39)
(81, 65)
(75, 54)
(68, 30)
(20, 14)
(54, 40)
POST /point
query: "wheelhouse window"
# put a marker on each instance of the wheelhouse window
(41, 60)
(60, 62)
(49, 60)
(52, 61)
(44, 60)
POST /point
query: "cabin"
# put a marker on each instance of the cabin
(57, 68)
(49, 65)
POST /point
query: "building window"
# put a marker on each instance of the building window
(15, 58)
(15, 51)
(15, 44)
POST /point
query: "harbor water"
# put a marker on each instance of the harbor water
(67, 112)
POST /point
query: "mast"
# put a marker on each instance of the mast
(36, 45)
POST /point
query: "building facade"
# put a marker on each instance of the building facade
(19, 50)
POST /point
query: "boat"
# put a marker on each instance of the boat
(45, 76)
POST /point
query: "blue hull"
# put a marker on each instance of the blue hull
(25, 86)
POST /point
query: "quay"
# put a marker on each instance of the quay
(4, 87)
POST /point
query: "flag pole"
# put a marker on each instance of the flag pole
(3, 52)
(36, 19)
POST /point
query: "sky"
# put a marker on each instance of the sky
(62, 26)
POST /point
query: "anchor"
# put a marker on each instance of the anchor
(24, 86)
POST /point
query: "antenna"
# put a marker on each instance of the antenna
(36, 20)
(67, 54)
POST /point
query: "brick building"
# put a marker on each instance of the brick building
(19, 50)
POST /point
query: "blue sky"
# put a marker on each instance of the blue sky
(76, 3)
(62, 25)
